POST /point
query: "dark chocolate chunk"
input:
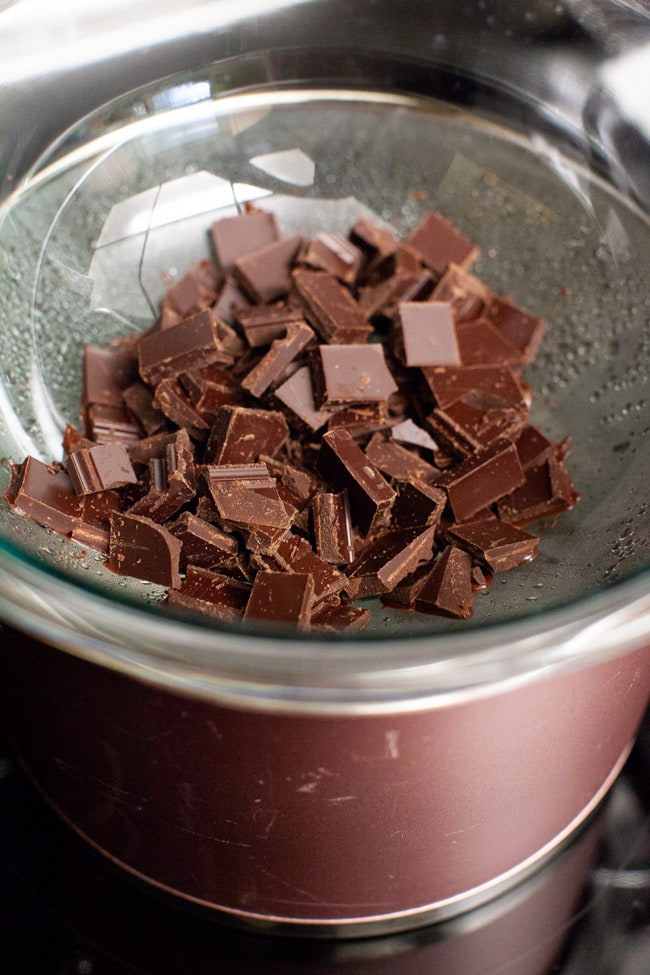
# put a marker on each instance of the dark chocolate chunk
(100, 468)
(295, 554)
(203, 544)
(264, 323)
(330, 308)
(106, 374)
(104, 423)
(233, 237)
(239, 435)
(196, 290)
(522, 331)
(474, 422)
(271, 368)
(280, 597)
(265, 272)
(417, 504)
(480, 343)
(334, 618)
(467, 295)
(170, 398)
(533, 448)
(140, 548)
(172, 481)
(447, 590)
(497, 544)
(439, 243)
(296, 395)
(246, 497)
(482, 478)
(344, 465)
(43, 492)
(333, 527)
(231, 301)
(385, 562)
(164, 355)
(349, 374)
(210, 593)
(334, 253)
(361, 421)
(449, 384)
(395, 461)
(138, 400)
(546, 492)
(428, 334)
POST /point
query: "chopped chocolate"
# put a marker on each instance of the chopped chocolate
(375, 241)
(474, 422)
(482, 478)
(233, 237)
(333, 527)
(495, 543)
(280, 597)
(439, 244)
(395, 461)
(239, 435)
(100, 468)
(344, 465)
(295, 554)
(546, 492)
(296, 395)
(170, 398)
(388, 560)
(447, 590)
(262, 324)
(271, 368)
(351, 374)
(417, 504)
(246, 497)
(334, 253)
(265, 273)
(104, 423)
(522, 331)
(172, 481)
(164, 355)
(142, 549)
(196, 290)
(428, 334)
(231, 301)
(138, 400)
(44, 493)
(480, 343)
(533, 448)
(449, 384)
(211, 593)
(203, 544)
(299, 484)
(330, 308)
(334, 618)
(106, 374)
(467, 295)
(361, 421)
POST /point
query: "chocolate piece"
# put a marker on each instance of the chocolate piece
(172, 481)
(429, 334)
(138, 400)
(404, 594)
(164, 355)
(297, 396)
(439, 243)
(342, 462)
(239, 435)
(449, 384)
(482, 479)
(233, 237)
(479, 343)
(196, 290)
(522, 331)
(333, 618)
(140, 548)
(351, 374)
(44, 493)
(295, 554)
(100, 468)
(231, 301)
(395, 461)
(546, 492)
(170, 398)
(330, 308)
(280, 597)
(447, 590)
(417, 504)
(94, 529)
(271, 368)
(334, 253)
(245, 497)
(265, 323)
(481, 580)
(495, 543)
(104, 423)
(106, 374)
(382, 299)
(467, 295)
(266, 272)
(533, 448)
(361, 421)
(298, 485)
(203, 543)
(474, 422)
(141, 451)
(211, 593)
(410, 433)
(376, 242)
(333, 527)
(388, 560)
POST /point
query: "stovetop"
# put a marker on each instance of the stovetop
(65, 910)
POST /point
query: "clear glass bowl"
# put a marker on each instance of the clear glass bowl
(521, 122)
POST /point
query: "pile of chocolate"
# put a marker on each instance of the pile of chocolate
(309, 423)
